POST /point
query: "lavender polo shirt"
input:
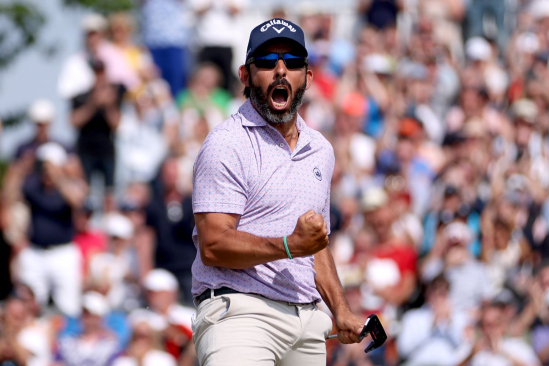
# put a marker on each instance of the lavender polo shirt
(245, 167)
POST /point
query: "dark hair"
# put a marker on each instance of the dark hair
(439, 282)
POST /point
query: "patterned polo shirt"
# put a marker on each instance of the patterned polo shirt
(246, 167)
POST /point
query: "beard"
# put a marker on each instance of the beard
(261, 103)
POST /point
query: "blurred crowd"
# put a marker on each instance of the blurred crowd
(438, 112)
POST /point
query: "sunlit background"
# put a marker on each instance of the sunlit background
(438, 114)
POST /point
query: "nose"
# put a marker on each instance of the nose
(280, 69)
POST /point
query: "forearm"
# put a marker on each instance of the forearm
(82, 115)
(144, 245)
(239, 250)
(327, 283)
(222, 245)
(524, 321)
(73, 192)
(13, 182)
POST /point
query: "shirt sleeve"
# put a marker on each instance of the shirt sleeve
(219, 180)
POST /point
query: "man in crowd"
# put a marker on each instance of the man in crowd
(51, 258)
(96, 116)
(433, 334)
(170, 221)
(261, 203)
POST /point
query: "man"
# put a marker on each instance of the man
(42, 114)
(94, 344)
(96, 115)
(51, 260)
(434, 334)
(261, 198)
(493, 347)
(470, 284)
(77, 76)
(169, 227)
(163, 312)
(216, 31)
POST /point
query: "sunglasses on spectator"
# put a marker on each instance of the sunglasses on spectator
(269, 61)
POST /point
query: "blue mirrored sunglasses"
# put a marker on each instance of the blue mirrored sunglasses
(269, 61)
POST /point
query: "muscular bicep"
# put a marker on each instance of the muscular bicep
(211, 226)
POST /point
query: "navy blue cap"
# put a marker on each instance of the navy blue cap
(279, 29)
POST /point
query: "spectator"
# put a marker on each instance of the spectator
(115, 272)
(165, 314)
(486, 15)
(95, 345)
(203, 99)
(121, 29)
(89, 240)
(14, 318)
(468, 277)
(170, 223)
(435, 334)
(493, 347)
(390, 274)
(42, 114)
(379, 13)
(216, 30)
(96, 114)
(146, 133)
(144, 348)
(166, 33)
(52, 258)
(37, 336)
(77, 74)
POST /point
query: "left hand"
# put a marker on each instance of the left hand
(348, 327)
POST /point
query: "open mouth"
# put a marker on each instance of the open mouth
(279, 97)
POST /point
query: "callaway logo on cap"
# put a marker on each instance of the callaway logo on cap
(281, 22)
(276, 29)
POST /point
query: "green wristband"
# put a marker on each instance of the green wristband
(287, 250)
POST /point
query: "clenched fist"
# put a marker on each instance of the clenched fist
(310, 235)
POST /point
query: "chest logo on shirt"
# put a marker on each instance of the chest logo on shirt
(317, 174)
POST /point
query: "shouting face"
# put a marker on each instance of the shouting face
(276, 92)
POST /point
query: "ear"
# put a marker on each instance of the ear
(244, 75)
(309, 78)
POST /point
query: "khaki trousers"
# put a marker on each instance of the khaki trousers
(243, 329)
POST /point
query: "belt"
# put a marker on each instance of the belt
(217, 292)
(227, 290)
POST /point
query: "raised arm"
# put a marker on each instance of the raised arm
(221, 245)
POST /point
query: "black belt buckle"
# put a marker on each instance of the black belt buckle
(374, 328)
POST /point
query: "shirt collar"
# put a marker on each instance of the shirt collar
(250, 117)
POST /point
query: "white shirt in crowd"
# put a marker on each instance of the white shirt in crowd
(422, 342)
(216, 26)
(514, 348)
